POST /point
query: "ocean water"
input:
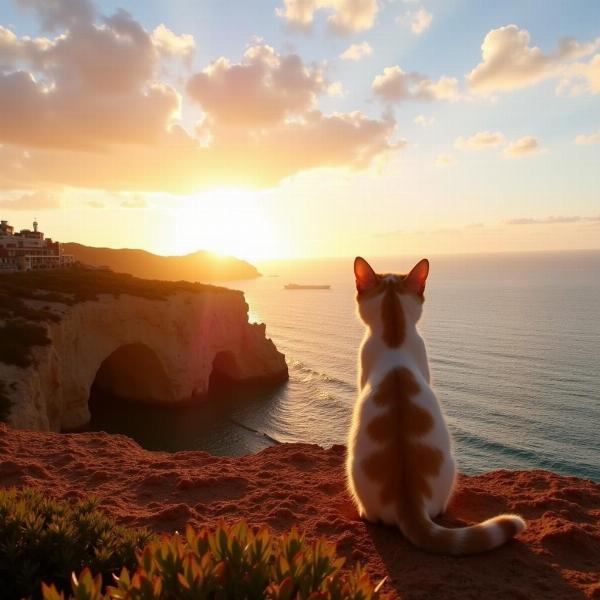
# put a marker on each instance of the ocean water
(514, 350)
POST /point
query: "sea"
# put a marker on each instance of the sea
(514, 350)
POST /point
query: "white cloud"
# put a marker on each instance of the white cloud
(357, 51)
(69, 117)
(424, 121)
(522, 147)
(480, 141)
(73, 96)
(395, 85)
(347, 16)
(264, 87)
(509, 62)
(418, 20)
(582, 77)
(335, 89)
(585, 139)
(172, 45)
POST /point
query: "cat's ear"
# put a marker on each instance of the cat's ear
(366, 278)
(418, 276)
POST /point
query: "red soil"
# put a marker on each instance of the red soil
(558, 556)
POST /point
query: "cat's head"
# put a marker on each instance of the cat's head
(389, 300)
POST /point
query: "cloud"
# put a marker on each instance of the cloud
(348, 16)
(480, 141)
(552, 220)
(171, 45)
(73, 96)
(395, 85)
(68, 117)
(582, 77)
(335, 89)
(58, 14)
(418, 20)
(585, 139)
(262, 89)
(241, 157)
(424, 121)
(509, 62)
(33, 201)
(522, 147)
(357, 51)
(445, 160)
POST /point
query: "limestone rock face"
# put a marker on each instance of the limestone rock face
(155, 350)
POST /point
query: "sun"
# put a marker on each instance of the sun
(226, 221)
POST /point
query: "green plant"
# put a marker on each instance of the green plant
(45, 540)
(230, 562)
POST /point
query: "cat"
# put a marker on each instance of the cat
(400, 465)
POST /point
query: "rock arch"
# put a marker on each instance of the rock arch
(134, 371)
(185, 333)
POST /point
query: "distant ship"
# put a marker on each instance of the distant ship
(296, 286)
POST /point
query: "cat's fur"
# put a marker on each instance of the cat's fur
(400, 465)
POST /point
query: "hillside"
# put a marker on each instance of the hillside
(198, 266)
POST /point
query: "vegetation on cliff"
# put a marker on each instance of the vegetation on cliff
(16, 340)
(29, 299)
(229, 562)
(46, 540)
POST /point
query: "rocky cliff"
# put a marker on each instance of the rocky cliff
(144, 340)
(556, 558)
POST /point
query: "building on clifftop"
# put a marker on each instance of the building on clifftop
(28, 250)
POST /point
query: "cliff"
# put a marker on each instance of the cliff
(557, 557)
(197, 266)
(61, 331)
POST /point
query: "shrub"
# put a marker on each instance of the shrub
(70, 286)
(16, 340)
(230, 562)
(45, 540)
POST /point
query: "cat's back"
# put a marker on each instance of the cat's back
(399, 443)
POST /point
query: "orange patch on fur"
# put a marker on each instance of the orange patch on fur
(403, 464)
(392, 315)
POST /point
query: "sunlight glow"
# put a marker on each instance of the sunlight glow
(227, 221)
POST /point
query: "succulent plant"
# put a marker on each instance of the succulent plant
(229, 562)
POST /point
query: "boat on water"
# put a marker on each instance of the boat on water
(297, 286)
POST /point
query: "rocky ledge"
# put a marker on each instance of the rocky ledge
(557, 557)
(63, 331)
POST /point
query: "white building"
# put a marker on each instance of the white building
(27, 249)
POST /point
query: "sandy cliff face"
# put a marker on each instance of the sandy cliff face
(160, 350)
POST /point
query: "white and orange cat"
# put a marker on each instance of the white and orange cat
(400, 466)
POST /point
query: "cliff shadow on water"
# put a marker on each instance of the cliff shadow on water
(220, 421)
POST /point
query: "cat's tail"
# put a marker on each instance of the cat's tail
(484, 536)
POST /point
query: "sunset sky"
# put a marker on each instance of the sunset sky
(293, 128)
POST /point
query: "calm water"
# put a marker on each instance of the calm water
(513, 342)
